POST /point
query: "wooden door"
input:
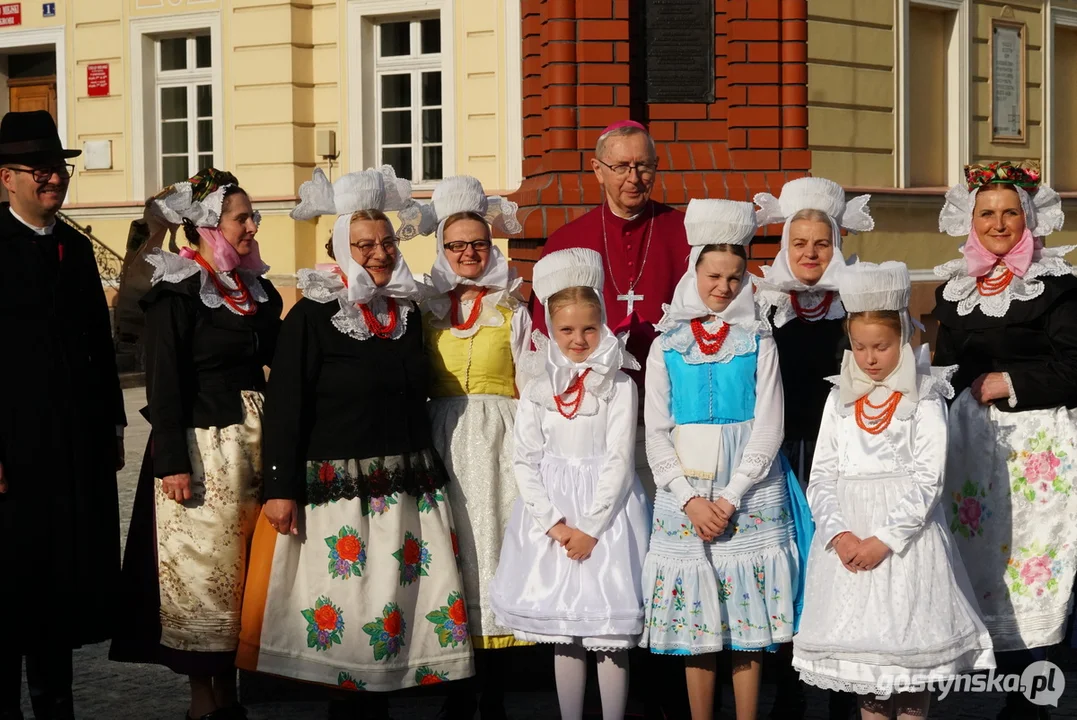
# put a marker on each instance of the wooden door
(28, 94)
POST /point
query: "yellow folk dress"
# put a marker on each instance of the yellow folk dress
(472, 413)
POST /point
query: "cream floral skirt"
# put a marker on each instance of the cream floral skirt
(202, 544)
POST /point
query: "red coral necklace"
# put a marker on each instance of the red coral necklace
(709, 343)
(454, 305)
(574, 397)
(989, 286)
(875, 424)
(371, 319)
(812, 313)
(237, 298)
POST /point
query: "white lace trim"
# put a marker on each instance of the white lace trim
(439, 306)
(324, 287)
(741, 340)
(848, 686)
(1012, 399)
(172, 268)
(961, 289)
(766, 298)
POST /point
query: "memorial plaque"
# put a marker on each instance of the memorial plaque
(678, 50)
(1007, 81)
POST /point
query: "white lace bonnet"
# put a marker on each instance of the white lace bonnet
(712, 222)
(867, 287)
(367, 189)
(463, 193)
(812, 193)
(1043, 210)
(177, 203)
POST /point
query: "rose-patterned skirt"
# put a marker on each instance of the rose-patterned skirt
(1011, 505)
(369, 595)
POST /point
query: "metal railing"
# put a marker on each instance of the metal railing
(109, 262)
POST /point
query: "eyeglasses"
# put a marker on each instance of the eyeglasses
(367, 247)
(43, 174)
(458, 246)
(644, 170)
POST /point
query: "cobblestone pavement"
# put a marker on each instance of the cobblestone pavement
(106, 690)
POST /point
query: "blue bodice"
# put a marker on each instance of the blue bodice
(713, 393)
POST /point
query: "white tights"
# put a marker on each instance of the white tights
(570, 672)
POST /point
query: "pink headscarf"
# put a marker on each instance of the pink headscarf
(225, 256)
(979, 260)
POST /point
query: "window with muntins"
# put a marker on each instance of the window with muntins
(408, 96)
(185, 111)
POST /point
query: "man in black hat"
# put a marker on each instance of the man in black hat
(61, 425)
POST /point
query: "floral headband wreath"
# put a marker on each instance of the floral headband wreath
(199, 200)
(1041, 204)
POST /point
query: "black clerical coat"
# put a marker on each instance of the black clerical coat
(60, 403)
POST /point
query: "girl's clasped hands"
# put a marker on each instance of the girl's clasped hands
(576, 543)
(857, 554)
(709, 518)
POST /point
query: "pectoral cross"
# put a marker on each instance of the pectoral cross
(630, 297)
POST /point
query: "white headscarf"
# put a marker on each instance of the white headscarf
(364, 190)
(463, 193)
(811, 193)
(712, 222)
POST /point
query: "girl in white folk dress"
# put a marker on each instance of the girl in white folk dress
(572, 557)
(887, 598)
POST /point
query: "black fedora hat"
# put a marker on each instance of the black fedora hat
(30, 138)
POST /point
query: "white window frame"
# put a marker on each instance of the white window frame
(514, 121)
(363, 131)
(957, 90)
(145, 98)
(46, 40)
(190, 78)
(1055, 17)
(413, 66)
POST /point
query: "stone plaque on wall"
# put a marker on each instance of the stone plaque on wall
(678, 50)
(1007, 81)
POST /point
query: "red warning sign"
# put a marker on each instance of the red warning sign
(10, 14)
(97, 80)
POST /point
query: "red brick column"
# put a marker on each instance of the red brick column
(576, 81)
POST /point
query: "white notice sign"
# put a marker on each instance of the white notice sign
(1007, 83)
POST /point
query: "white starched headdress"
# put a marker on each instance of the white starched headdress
(811, 193)
(459, 194)
(368, 189)
(1043, 210)
(712, 222)
(867, 287)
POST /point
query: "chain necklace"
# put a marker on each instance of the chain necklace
(630, 297)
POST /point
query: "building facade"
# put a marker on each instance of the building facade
(890, 97)
(152, 90)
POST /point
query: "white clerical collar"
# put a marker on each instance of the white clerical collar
(630, 218)
(47, 230)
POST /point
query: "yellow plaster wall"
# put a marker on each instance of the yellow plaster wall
(851, 80)
(981, 146)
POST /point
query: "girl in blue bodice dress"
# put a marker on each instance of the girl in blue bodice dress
(724, 566)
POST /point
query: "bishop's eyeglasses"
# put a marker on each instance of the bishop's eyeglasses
(644, 170)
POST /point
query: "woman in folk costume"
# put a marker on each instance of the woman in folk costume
(477, 329)
(368, 596)
(1007, 315)
(799, 296)
(724, 568)
(573, 552)
(211, 326)
(887, 599)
